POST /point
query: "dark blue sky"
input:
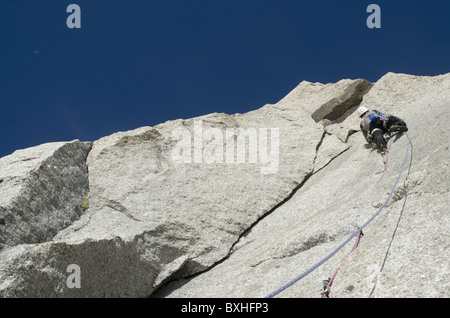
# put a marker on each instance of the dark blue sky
(136, 63)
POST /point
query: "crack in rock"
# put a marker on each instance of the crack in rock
(292, 249)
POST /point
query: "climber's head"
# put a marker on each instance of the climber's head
(362, 110)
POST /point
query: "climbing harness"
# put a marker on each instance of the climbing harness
(315, 266)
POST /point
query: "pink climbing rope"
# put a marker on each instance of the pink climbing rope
(356, 233)
(325, 293)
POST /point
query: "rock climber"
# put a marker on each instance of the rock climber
(374, 125)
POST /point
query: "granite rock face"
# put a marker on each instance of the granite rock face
(237, 205)
(404, 251)
(41, 191)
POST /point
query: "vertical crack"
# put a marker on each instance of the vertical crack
(324, 133)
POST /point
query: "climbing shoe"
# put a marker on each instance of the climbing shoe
(398, 128)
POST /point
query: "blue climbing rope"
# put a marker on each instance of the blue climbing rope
(292, 282)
